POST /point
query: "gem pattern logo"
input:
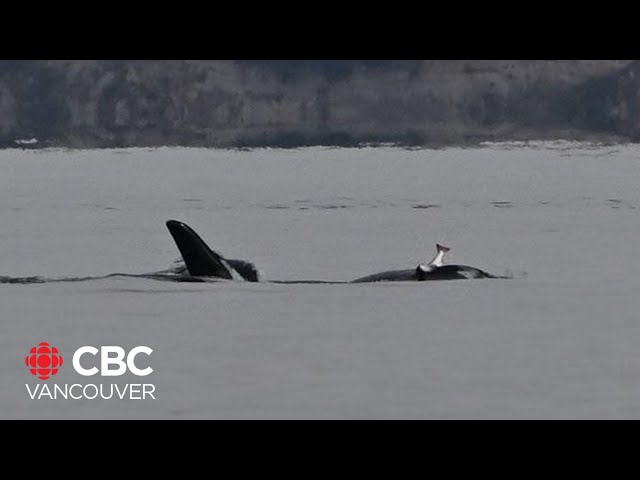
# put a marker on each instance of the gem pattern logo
(43, 361)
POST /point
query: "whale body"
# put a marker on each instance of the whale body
(202, 261)
(202, 264)
(444, 272)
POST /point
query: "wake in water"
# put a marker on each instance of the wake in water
(152, 276)
(161, 276)
(177, 273)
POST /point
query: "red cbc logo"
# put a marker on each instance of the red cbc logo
(43, 361)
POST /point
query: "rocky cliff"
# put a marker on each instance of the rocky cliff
(118, 103)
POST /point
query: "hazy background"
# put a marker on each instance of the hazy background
(122, 103)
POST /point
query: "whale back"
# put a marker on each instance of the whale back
(247, 270)
(389, 276)
(451, 272)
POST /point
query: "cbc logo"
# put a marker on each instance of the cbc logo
(44, 361)
(106, 360)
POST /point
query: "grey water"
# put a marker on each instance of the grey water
(559, 340)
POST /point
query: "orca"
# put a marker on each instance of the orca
(202, 261)
(433, 270)
(202, 264)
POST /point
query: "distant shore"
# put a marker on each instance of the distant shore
(433, 144)
(298, 103)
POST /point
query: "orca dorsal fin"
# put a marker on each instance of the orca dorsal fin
(200, 260)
